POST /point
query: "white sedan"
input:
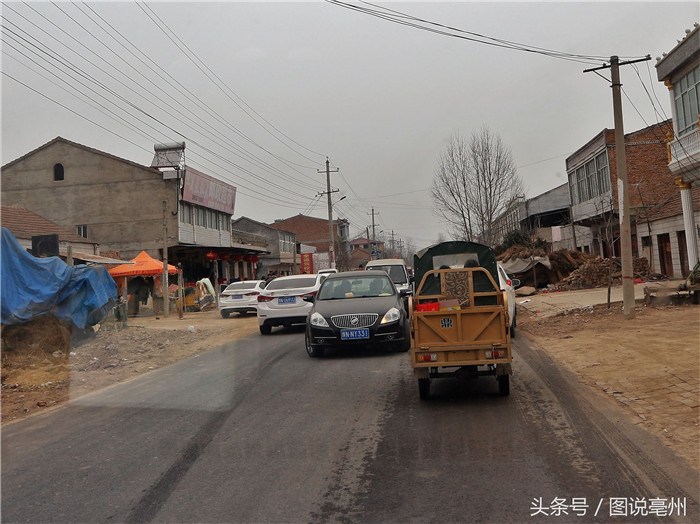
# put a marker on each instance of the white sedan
(240, 297)
(282, 302)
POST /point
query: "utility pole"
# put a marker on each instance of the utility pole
(622, 186)
(373, 243)
(165, 259)
(374, 236)
(393, 251)
(330, 210)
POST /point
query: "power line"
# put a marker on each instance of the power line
(194, 119)
(401, 18)
(102, 86)
(162, 25)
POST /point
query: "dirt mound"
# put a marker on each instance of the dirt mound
(46, 334)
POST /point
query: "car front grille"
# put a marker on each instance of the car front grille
(360, 320)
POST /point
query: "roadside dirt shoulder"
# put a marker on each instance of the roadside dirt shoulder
(37, 376)
(649, 366)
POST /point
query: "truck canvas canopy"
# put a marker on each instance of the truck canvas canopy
(454, 255)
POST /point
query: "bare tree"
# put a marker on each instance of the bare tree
(474, 181)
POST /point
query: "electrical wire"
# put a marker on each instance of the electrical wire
(206, 70)
(80, 72)
(194, 119)
(401, 18)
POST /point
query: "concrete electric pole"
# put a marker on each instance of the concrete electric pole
(330, 211)
(622, 186)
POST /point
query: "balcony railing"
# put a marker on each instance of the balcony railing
(685, 147)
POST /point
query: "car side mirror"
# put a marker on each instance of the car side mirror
(405, 292)
(311, 299)
(515, 282)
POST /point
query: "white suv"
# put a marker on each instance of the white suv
(282, 302)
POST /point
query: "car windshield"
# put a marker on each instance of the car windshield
(291, 283)
(395, 272)
(361, 287)
(240, 286)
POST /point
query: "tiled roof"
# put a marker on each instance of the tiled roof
(673, 206)
(25, 224)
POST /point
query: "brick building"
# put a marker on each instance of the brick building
(663, 234)
(592, 173)
(314, 232)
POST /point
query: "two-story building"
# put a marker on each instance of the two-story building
(592, 173)
(677, 237)
(282, 257)
(315, 232)
(544, 216)
(127, 207)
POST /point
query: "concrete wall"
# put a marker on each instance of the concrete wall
(120, 202)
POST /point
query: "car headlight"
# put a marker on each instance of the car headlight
(391, 316)
(318, 320)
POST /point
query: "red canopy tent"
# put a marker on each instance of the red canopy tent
(143, 265)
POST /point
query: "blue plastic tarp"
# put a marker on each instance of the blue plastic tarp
(32, 287)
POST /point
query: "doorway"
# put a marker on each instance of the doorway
(665, 259)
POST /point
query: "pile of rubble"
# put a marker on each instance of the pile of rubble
(599, 272)
(520, 252)
(552, 268)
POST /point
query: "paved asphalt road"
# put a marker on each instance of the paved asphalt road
(255, 431)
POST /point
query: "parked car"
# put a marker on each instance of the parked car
(508, 285)
(240, 297)
(357, 309)
(281, 303)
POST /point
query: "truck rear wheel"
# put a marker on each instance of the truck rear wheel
(424, 388)
(503, 385)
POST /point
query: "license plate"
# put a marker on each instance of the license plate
(287, 300)
(236, 297)
(354, 334)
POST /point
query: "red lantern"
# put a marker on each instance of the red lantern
(255, 258)
(211, 256)
(237, 258)
(224, 256)
(246, 258)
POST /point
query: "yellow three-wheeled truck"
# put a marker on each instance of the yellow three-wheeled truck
(459, 316)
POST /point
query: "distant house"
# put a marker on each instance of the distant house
(315, 232)
(25, 224)
(282, 246)
(363, 243)
(543, 216)
(679, 70)
(359, 258)
(592, 173)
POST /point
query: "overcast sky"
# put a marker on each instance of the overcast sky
(280, 86)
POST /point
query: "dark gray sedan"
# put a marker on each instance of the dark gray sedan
(357, 309)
